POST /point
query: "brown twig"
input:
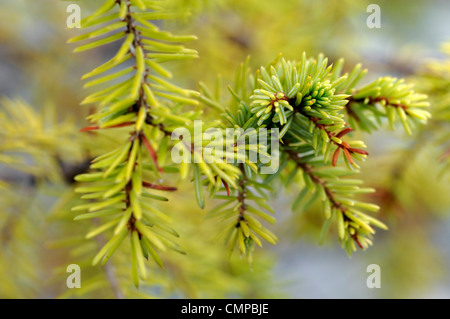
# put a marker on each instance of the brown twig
(371, 100)
(308, 170)
(159, 187)
(344, 146)
(241, 196)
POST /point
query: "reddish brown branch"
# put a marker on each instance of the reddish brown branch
(355, 238)
(371, 101)
(308, 170)
(96, 127)
(152, 152)
(159, 187)
(225, 184)
(347, 150)
(241, 197)
(328, 192)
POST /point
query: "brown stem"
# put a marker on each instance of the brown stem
(159, 187)
(371, 101)
(96, 127)
(308, 170)
(141, 102)
(347, 150)
(241, 196)
(329, 193)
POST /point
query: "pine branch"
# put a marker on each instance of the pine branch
(241, 212)
(352, 224)
(117, 181)
(306, 100)
(308, 170)
(306, 97)
(387, 98)
(336, 139)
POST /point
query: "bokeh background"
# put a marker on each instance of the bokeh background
(38, 237)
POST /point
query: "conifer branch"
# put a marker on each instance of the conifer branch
(389, 98)
(134, 103)
(308, 170)
(345, 223)
(307, 101)
(244, 230)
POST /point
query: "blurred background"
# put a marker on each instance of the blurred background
(40, 83)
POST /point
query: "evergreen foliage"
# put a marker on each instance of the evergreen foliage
(120, 202)
(311, 102)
